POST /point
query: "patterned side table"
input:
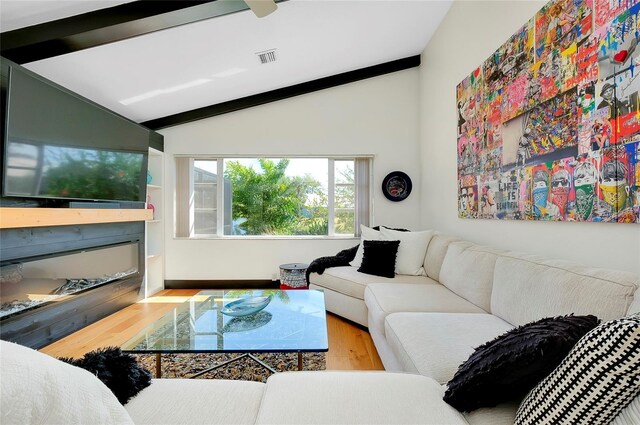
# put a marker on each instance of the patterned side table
(292, 276)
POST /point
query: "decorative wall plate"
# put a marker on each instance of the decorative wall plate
(396, 186)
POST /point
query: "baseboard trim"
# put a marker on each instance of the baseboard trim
(222, 284)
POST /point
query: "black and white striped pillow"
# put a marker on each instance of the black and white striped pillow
(597, 379)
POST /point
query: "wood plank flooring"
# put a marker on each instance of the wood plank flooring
(350, 347)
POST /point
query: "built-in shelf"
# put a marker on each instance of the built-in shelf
(11, 218)
(154, 228)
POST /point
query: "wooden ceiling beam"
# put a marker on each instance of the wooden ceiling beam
(108, 25)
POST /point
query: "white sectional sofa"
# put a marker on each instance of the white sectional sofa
(429, 325)
(423, 326)
(38, 389)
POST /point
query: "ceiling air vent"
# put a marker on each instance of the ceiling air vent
(267, 56)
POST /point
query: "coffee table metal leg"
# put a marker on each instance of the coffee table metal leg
(242, 356)
(158, 365)
(263, 364)
(299, 360)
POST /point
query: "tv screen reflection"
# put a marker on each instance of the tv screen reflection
(54, 171)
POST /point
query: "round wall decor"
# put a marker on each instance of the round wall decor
(396, 186)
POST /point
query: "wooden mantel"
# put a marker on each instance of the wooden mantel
(11, 218)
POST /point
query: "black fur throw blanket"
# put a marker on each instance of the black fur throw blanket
(118, 371)
(342, 258)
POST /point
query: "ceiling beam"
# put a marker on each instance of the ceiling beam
(140, 17)
(108, 25)
(283, 93)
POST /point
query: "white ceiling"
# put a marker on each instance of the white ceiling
(188, 67)
(23, 13)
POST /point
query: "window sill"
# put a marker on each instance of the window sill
(267, 238)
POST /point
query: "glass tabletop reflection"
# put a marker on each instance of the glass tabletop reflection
(292, 321)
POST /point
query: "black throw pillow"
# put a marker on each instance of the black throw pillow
(118, 371)
(379, 258)
(509, 366)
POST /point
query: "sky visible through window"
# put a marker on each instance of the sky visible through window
(316, 167)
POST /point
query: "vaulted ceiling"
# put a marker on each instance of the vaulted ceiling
(215, 60)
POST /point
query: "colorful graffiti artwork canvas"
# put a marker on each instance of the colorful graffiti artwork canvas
(549, 124)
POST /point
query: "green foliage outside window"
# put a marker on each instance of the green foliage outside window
(345, 201)
(268, 202)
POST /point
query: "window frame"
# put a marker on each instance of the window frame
(219, 235)
(195, 186)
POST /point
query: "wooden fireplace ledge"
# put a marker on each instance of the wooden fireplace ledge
(11, 218)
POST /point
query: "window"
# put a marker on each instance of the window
(271, 196)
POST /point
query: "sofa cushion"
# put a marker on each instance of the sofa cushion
(630, 415)
(467, 270)
(383, 299)
(412, 249)
(333, 397)
(508, 367)
(597, 379)
(197, 401)
(435, 344)
(635, 305)
(528, 287)
(366, 234)
(348, 281)
(502, 414)
(38, 389)
(436, 251)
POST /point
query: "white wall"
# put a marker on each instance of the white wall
(376, 116)
(472, 31)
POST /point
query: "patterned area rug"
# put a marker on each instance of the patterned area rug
(185, 365)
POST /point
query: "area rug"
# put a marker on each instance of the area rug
(185, 365)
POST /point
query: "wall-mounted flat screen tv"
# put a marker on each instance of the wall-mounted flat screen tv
(60, 146)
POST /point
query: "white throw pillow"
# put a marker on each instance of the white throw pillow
(366, 234)
(412, 249)
(38, 389)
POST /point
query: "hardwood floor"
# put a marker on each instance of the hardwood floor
(350, 347)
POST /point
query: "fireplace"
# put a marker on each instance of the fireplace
(56, 280)
(36, 284)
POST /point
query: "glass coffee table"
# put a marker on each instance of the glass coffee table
(292, 321)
